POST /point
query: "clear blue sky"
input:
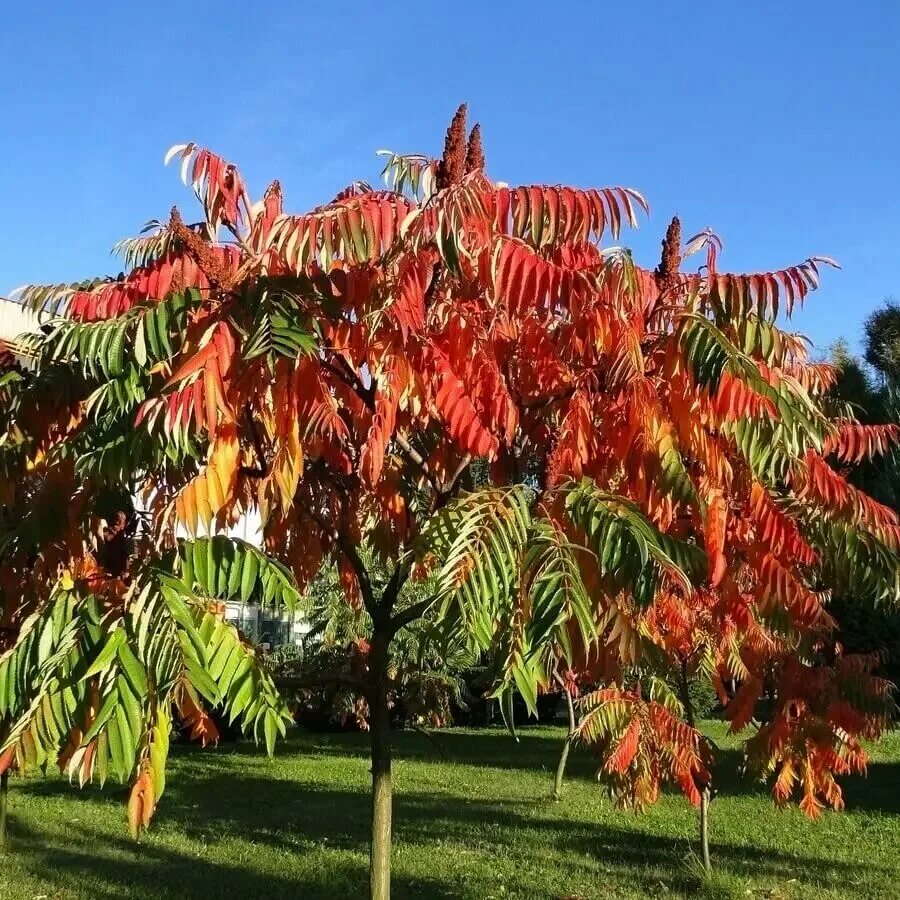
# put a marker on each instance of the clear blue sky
(774, 123)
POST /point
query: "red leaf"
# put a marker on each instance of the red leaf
(716, 524)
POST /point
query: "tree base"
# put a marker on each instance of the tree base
(4, 800)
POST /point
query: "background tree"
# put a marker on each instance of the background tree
(652, 446)
(882, 343)
(872, 393)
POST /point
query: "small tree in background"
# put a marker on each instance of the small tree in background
(873, 395)
(883, 342)
(658, 498)
(753, 461)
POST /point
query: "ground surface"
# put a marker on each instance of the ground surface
(476, 823)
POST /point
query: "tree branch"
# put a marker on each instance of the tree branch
(262, 470)
(411, 614)
(237, 236)
(417, 459)
(399, 577)
(463, 465)
(349, 550)
(351, 379)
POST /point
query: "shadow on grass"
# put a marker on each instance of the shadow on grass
(538, 751)
(297, 818)
(113, 867)
(877, 791)
(535, 750)
(209, 802)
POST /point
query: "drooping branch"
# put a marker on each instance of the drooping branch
(570, 738)
(262, 469)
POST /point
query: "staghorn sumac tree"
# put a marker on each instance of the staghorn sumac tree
(599, 471)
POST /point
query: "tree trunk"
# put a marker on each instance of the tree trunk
(564, 756)
(705, 794)
(380, 735)
(4, 797)
(4, 791)
(704, 828)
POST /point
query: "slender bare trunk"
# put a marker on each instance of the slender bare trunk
(4, 791)
(564, 756)
(380, 734)
(4, 799)
(704, 828)
(705, 793)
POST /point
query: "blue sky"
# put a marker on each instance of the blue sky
(774, 123)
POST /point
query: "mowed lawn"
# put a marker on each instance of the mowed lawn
(473, 819)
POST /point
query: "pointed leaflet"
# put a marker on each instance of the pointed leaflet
(716, 524)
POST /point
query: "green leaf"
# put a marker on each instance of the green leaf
(271, 730)
(507, 710)
(205, 686)
(249, 572)
(159, 750)
(140, 348)
(107, 654)
(134, 671)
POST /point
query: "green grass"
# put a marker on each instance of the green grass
(476, 823)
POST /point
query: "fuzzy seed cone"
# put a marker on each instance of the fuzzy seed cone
(475, 152)
(670, 261)
(202, 253)
(452, 166)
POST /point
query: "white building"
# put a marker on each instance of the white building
(15, 322)
(267, 626)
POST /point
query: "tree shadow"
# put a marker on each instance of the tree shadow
(116, 867)
(209, 801)
(877, 791)
(310, 815)
(535, 750)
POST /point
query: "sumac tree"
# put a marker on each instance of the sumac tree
(589, 461)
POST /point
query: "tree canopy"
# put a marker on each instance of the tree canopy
(620, 473)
